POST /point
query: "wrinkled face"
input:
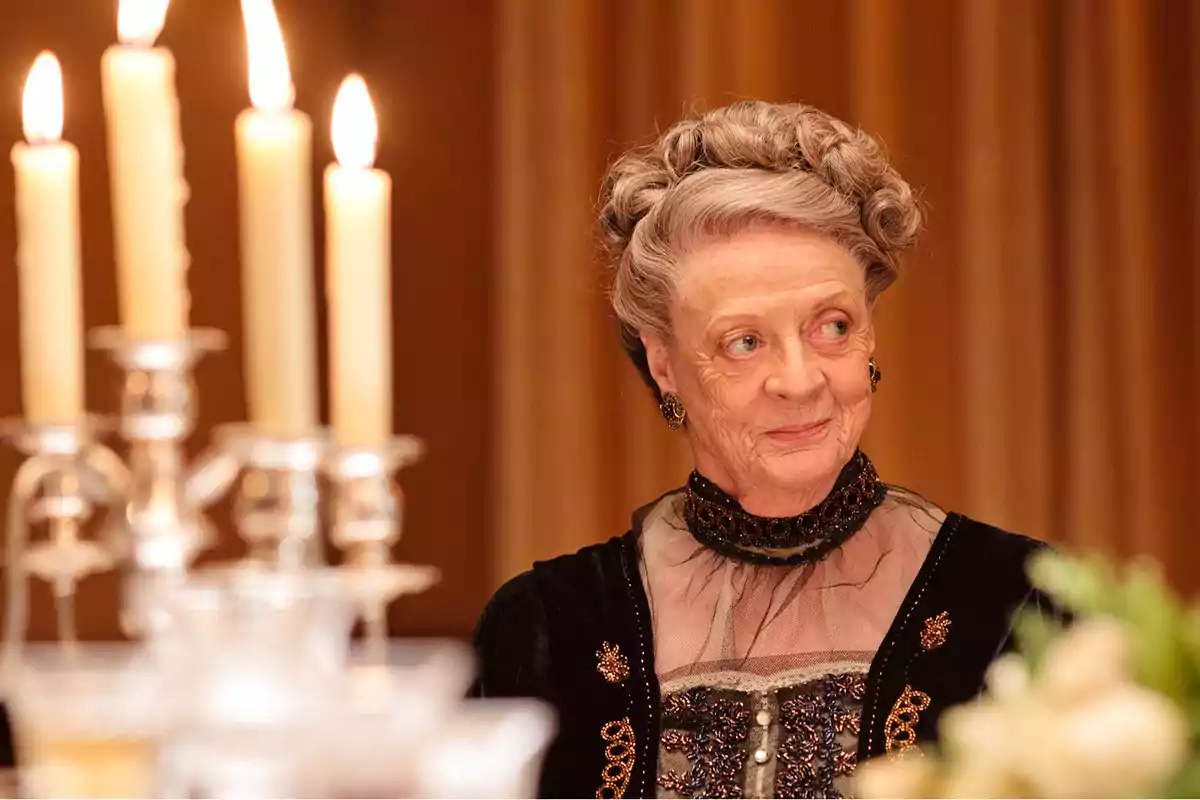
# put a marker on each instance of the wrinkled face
(772, 334)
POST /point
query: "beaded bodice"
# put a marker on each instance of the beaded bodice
(795, 740)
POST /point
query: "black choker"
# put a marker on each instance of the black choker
(719, 522)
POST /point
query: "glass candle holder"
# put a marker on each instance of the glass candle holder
(246, 762)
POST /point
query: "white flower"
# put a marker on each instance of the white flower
(975, 729)
(1082, 727)
(1087, 659)
(1127, 741)
(992, 744)
(973, 779)
(1008, 677)
(907, 776)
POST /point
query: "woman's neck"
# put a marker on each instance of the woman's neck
(790, 534)
(762, 497)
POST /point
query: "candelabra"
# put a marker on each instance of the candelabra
(239, 681)
(156, 526)
(52, 485)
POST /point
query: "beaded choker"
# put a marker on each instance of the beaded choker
(717, 521)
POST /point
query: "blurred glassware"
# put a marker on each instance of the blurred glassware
(251, 661)
(244, 762)
(87, 720)
(390, 702)
(243, 612)
(255, 691)
(485, 748)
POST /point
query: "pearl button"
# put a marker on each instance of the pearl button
(763, 718)
(761, 756)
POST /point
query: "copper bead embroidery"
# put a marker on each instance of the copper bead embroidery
(813, 745)
(935, 632)
(620, 750)
(611, 663)
(900, 728)
(710, 728)
(811, 757)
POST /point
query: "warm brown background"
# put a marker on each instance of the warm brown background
(1042, 354)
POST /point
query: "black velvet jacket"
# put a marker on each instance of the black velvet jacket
(540, 633)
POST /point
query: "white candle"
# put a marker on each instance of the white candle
(145, 159)
(47, 210)
(358, 273)
(274, 149)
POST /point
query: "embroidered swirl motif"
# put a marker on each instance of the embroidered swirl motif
(620, 752)
(611, 663)
(900, 728)
(710, 730)
(811, 757)
(719, 522)
(818, 723)
(935, 631)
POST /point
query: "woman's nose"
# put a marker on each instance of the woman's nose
(795, 374)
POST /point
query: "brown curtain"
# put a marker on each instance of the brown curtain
(1042, 351)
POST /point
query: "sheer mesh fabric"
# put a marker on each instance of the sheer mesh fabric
(713, 613)
(769, 661)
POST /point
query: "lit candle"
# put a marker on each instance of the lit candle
(274, 148)
(145, 158)
(47, 210)
(357, 264)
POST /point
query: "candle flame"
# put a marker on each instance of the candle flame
(270, 79)
(42, 102)
(140, 21)
(355, 129)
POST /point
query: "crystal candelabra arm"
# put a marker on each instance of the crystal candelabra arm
(106, 481)
(368, 519)
(211, 476)
(162, 500)
(24, 489)
(51, 487)
(105, 477)
(277, 509)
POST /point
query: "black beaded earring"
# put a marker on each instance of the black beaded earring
(876, 374)
(672, 410)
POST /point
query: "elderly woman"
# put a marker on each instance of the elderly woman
(786, 613)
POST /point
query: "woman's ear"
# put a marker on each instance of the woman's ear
(658, 358)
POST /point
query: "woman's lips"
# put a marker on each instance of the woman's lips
(799, 434)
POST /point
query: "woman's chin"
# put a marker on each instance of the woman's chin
(805, 469)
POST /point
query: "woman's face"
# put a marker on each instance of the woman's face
(772, 334)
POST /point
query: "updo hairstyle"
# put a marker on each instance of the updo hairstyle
(739, 166)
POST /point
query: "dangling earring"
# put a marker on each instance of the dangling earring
(876, 374)
(672, 410)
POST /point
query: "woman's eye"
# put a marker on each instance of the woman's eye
(836, 328)
(743, 345)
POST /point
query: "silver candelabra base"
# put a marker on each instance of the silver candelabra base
(156, 526)
(242, 680)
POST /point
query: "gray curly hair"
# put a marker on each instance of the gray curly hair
(730, 168)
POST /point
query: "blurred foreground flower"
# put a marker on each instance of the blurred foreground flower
(1107, 708)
